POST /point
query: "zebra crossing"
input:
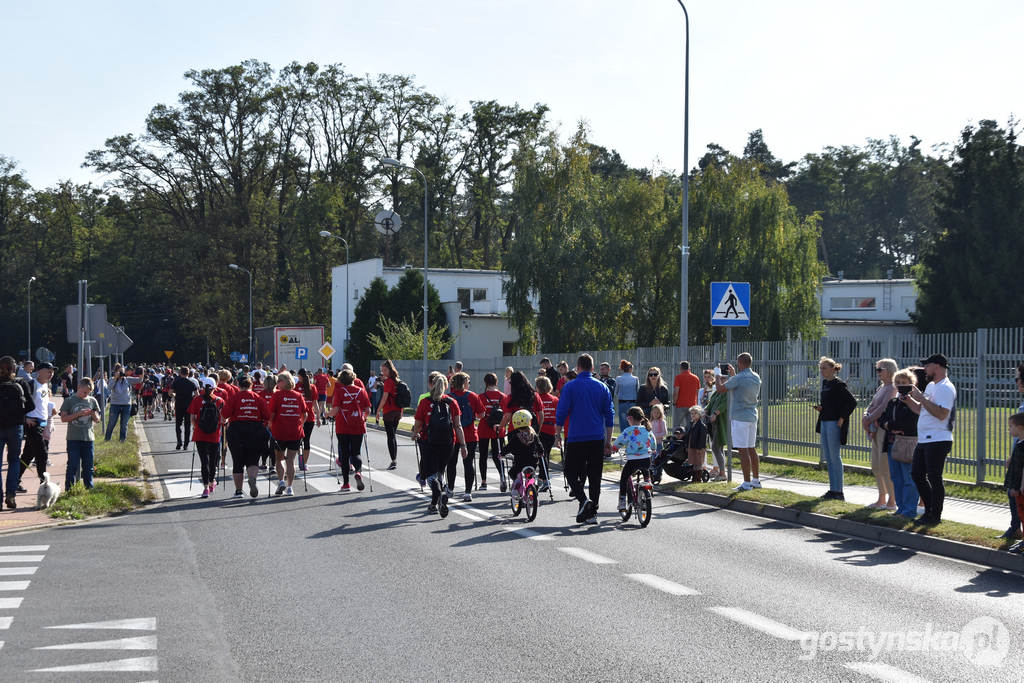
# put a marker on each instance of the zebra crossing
(16, 560)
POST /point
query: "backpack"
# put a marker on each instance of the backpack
(439, 429)
(466, 411)
(209, 416)
(12, 404)
(403, 397)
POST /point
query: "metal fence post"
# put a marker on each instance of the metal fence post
(766, 378)
(980, 382)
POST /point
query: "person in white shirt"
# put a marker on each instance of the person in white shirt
(936, 409)
(36, 421)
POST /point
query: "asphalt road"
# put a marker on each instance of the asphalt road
(367, 586)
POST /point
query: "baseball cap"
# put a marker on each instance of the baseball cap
(208, 382)
(936, 358)
(44, 366)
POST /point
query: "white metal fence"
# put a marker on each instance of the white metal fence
(982, 365)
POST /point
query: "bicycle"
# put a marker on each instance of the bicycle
(522, 494)
(638, 498)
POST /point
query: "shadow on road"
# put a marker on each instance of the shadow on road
(994, 583)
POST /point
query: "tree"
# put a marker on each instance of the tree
(403, 340)
(771, 168)
(970, 275)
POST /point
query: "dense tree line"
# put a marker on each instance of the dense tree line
(251, 163)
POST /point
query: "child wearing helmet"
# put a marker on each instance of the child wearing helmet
(523, 443)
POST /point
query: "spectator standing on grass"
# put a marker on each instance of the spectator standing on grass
(653, 391)
(706, 389)
(899, 424)
(716, 412)
(685, 388)
(1015, 471)
(834, 410)
(626, 387)
(746, 387)
(80, 411)
(548, 370)
(1014, 530)
(15, 404)
(936, 408)
(885, 369)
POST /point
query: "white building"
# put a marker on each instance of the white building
(867, 308)
(473, 302)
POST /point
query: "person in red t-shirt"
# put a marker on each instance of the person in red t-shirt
(246, 433)
(288, 411)
(207, 443)
(392, 413)
(308, 390)
(685, 388)
(548, 429)
(522, 397)
(470, 408)
(435, 453)
(489, 436)
(320, 382)
(350, 405)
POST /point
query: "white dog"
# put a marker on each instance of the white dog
(48, 493)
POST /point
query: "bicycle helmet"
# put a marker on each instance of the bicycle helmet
(521, 418)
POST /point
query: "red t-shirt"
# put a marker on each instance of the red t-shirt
(310, 399)
(561, 383)
(222, 391)
(492, 400)
(550, 403)
(320, 382)
(476, 406)
(389, 405)
(195, 407)
(537, 409)
(353, 403)
(689, 385)
(288, 410)
(423, 414)
(246, 406)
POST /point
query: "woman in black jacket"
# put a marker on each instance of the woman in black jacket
(834, 410)
(653, 391)
(898, 420)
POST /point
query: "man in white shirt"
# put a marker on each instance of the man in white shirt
(36, 445)
(936, 408)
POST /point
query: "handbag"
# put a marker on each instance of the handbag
(134, 409)
(903, 448)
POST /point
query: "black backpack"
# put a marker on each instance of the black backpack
(12, 404)
(439, 429)
(209, 416)
(403, 397)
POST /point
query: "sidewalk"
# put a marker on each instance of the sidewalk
(26, 515)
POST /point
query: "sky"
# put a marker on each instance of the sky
(810, 73)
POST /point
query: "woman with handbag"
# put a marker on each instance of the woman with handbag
(900, 425)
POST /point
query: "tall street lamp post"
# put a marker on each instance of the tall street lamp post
(234, 266)
(29, 346)
(684, 286)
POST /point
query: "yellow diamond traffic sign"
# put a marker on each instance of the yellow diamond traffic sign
(327, 351)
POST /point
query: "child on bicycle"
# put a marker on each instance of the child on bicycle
(524, 445)
(639, 444)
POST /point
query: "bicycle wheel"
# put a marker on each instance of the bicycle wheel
(517, 504)
(643, 508)
(530, 502)
(628, 512)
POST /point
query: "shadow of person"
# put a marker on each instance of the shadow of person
(995, 583)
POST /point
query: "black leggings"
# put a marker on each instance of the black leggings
(348, 452)
(391, 429)
(209, 455)
(628, 469)
(307, 433)
(433, 460)
(548, 442)
(246, 440)
(467, 465)
(495, 446)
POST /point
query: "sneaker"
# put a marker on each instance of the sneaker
(288, 491)
(622, 504)
(443, 505)
(178, 447)
(21, 489)
(755, 483)
(253, 491)
(206, 492)
(586, 511)
(745, 486)
(591, 520)
(467, 497)
(719, 477)
(503, 487)
(1010, 534)
(431, 509)
(359, 481)
(280, 488)
(263, 468)
(544, 488)
(345, 487)
(483, 486)
(393, 465)
(237, 494)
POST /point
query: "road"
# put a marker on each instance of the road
(366, 586)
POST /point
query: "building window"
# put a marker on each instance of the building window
(464, 302)
(479, 295)
(852, 303)
(854, 349)
(876, 349)
(834, 347)
(508, 348)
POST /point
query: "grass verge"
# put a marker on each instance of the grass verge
(117, 459)
(103, 499)
(954, 531)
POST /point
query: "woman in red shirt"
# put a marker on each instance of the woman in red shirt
(392, 413)
(547, 429)
(246, 433)
(435, 452)
(265, 389)
(470, 408)
(490, 438)
(288, 411)
(207, 443)
(305, 387)
(350, 405)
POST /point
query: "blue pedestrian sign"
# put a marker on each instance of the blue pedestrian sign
(234, 355)
(730, 304)
(243, 358)
(301, 353)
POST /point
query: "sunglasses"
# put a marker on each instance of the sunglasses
(652, 374)
(878, 369)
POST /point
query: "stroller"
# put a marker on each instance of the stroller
(674, 461)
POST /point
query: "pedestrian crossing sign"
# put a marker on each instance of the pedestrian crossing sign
(730, 304)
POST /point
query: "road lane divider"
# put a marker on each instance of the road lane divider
(881, 671)
(587, 556)
(756, 621)
(663, 585)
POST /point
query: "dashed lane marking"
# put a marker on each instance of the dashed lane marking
(24, 548)
(757, 622)
(5, 623)
(13, 585)
(587, 556)
(664, 585)
(884, 672)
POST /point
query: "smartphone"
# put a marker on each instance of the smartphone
(904, 389)
(724, 367)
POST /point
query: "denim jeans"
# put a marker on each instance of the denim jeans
(122, 412)
(830, 454)
(623, 408)
(79, 453)
(11, 438)
(903, 486)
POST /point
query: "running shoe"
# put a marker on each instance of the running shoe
(583, 512)
(237, 494)
(359, 481)
(467, 497)
(544, 488)
(745, 486)
(280, 488)
(442, 508)
(622, 503)
(592, 519)
(21, 489)
(206, 492)
(719, 477)
(503, 487)
(288, 491)
(756, 483)
(432, 509)
(393, 465)
(483, 486)
(253, 491)
(345, 487)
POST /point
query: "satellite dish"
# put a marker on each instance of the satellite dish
(387, 222)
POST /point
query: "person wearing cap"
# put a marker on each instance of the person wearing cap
(936, 409)
(207, 443)
(36, 420)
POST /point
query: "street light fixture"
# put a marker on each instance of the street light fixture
(234, 266)
(330, 235)
(29, 347)
(684, 293)
(387, 161)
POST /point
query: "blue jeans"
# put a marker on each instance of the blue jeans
(903, 487)
(79, 453)
(830, 454)
(11, 438)
(122, 412)
(623, 408)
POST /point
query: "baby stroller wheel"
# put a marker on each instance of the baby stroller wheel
(705, 476)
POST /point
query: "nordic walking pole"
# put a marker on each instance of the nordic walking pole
(369, 469)
(192, 469)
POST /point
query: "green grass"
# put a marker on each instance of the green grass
(116, 459)
(954, 531)
(105, 498)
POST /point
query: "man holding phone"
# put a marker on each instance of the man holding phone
(745, 386)
(80, 412)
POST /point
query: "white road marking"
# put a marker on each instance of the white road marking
(756, 621)
(664, 585)
(117, 624)
(5, 623)
(884, 672)
(14, 585)
(468, 515)
(21, 558)
(10, 603)
(1, 644)
(18, 571)
(587, 556)
(177, 471)
(136, 643)
(24, 548)
(134, 664)
(529, 533)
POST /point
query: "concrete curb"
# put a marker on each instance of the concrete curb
(148, 464)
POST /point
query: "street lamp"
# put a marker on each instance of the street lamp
(330, 235)
(233, 266)
(387, 161)
(29, 347)
(684, 293)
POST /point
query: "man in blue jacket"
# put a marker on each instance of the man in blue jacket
(587, 405)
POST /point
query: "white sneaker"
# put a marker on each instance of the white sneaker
(622, 503)
(745, 486)
(288, 491)
(756, 483)
(467, 498)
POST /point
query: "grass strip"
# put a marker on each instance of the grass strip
(117, 459)
(103, 499)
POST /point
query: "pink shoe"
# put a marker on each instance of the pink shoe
(206, 492)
